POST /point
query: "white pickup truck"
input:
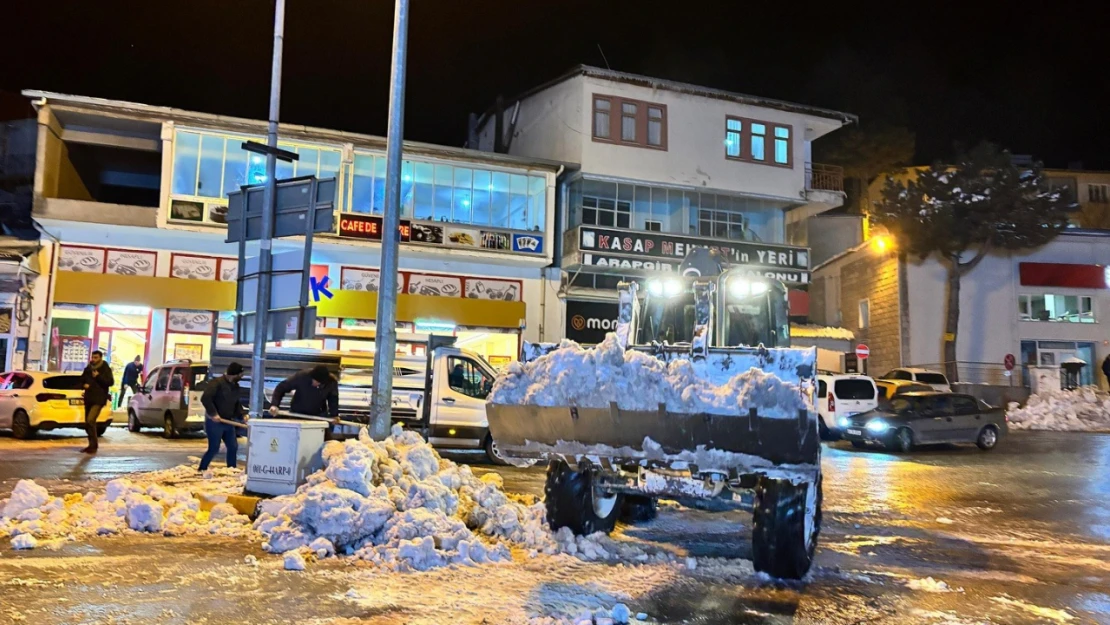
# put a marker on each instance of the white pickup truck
(442, 394)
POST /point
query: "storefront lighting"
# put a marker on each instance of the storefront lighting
(433, 327)
(120, 309)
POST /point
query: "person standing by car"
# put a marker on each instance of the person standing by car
(96, 379)
(130, 380)
(224, 415)
(315, 392)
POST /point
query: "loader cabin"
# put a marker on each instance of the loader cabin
(755, 309)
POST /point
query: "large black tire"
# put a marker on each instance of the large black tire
(570, 501)
(783, 541)
(902, 441)
(169, 429)
(21, 425)
(133, 424)
(988, 438)
(638, 509)
(492, 453)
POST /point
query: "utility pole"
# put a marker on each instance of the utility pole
(265, 244)
(381, 403)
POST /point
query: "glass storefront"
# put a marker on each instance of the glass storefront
(120, 332)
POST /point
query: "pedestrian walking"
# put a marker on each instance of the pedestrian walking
(315, 392)
(224, 415)
(130, 380)
(96, 380)
(1106, 368)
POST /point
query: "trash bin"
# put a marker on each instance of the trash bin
(1071, 371)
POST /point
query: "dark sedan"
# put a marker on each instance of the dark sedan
(925, 418)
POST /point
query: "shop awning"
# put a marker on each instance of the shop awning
(95, 288)
(75, 287)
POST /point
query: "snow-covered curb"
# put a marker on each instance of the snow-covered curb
(1083, 410)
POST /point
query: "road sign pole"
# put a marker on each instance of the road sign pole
(386, 319)
(265, 244)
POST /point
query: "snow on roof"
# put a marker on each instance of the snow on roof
(811, 331)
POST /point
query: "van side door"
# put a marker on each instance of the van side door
(459, 414)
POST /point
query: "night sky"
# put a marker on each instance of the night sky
(1032, 80)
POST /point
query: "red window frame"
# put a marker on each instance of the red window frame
(768, 142)
(616, 118)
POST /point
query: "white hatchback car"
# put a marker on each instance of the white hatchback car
(36, 400)
(934, 379)
(840, 396)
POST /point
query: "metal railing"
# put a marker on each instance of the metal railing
(992, 373)
(820, 177)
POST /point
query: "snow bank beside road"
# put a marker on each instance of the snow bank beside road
(592, 378)
(1083, 410)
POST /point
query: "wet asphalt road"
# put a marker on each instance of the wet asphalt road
(1020, 534)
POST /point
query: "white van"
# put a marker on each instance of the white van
(841, 396)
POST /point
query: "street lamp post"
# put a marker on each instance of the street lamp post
(265, 244)
(386, 319)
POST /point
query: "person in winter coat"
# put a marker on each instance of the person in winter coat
(96, 380)
(224, 415)
(1106, 369)
(315, 392)
(130, 379)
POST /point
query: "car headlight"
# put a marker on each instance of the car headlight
(844, 422)
(877, 426)
(655, 287)
(672, 287)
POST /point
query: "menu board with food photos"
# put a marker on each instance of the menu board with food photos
(357, 279)
(84, 259)
(229, 269)
(131, 262)
(437, 286)
(192, 321)
(194, 267)
(485, 288)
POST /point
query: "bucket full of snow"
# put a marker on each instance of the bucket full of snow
(738, 407)
(281, 453)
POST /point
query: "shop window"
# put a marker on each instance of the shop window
(466, 377)
(1060, 308)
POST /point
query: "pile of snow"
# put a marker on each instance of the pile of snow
(397, 504)
(929, 584)
(150, 504)
(592, 378)
(1083, 410)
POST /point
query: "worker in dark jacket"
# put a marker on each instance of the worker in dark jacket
(224, 415)
(1106, 369)
(315, 392)
(130, 379)
(96, 379)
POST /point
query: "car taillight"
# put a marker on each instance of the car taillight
(49, 396)
(832, 403)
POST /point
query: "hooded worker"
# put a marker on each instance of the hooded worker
(315, 392)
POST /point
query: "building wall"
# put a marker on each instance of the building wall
(55, 176)
(549, 125)
(989, 324)
(873, 276)
(817, 312)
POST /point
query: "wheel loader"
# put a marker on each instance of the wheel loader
(610, 463)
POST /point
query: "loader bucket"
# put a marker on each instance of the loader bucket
(729, 443)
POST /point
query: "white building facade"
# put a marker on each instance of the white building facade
(664, 167)
(133, 201)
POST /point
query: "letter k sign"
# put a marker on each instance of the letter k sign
(319, 287)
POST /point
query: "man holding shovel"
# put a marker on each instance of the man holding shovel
(224, 415)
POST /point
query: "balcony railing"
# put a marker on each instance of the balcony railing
(820, 177)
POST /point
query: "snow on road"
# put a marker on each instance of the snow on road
(1083, 410)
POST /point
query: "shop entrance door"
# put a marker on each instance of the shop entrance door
(120, 346)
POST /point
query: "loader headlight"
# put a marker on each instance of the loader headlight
(743, 287)
(877, 426)
(667, 287)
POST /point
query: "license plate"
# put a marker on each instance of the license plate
(76, 402)
(855, 432)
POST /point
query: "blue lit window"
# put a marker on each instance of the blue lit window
(733, 142)
(758, 136)
(782, 145)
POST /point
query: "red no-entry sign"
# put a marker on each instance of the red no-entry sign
(862, 351)
(1009, 362)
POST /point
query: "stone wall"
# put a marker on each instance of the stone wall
(873, 276)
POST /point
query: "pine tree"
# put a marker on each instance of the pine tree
(963, 211)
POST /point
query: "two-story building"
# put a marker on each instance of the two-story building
(664, 167)
(133, 199)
